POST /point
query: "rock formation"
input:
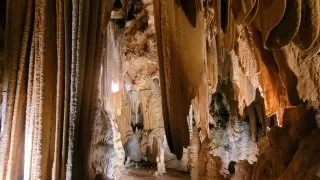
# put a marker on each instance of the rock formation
(220, 89)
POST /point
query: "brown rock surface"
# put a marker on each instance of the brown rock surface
(290, 152)
(287, 28)
(242, 9)
(243, 171)
(310, 25)
(180, 59)
(266, 21)
(305, 162)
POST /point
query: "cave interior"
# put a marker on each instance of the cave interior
(158, 89)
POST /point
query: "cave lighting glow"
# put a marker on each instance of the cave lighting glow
(28, 143)
(115, 87)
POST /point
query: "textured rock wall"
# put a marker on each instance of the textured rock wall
(285, 150)
(52, 52)
(106, 149)
(102, 154)
(263, 63)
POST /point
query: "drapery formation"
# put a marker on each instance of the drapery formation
(180, 40)
(53, 52)
(276, 53)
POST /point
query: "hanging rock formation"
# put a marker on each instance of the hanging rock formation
(52, 49)
(220, 89)
(179, 80)
(261, 61)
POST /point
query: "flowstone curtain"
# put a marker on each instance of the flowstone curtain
(181, 60)
(53, 54)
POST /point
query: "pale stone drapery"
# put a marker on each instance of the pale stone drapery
(53, 51)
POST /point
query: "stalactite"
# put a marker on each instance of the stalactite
(30, 113)
(288, 78)
(39, 39)
(106, 151)
(287, 28)
(304, 65)
(253, 123)
(274, 93)
(309, 27)
(244, 70)
(242, 9)
(203, 105)
(265, 21)
(252, 13)
(12, 130)
(211, 47)
(73, 79)
(181, 78)
(112, 68)
(66, 103)
(229, 36)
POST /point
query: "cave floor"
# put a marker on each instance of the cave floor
(147, 172)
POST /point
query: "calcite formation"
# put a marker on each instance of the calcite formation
(221, 89)
(52, 51)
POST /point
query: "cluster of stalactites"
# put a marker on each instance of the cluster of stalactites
(263, 45)
(290, 21)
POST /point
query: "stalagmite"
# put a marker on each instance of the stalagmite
(159, 153)
(194, 151)
(202, 158)
(243, 170)
(102, 147)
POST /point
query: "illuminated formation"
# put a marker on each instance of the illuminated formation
(180, 89)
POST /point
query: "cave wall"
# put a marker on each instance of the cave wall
(112, 110)
(288, 152)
